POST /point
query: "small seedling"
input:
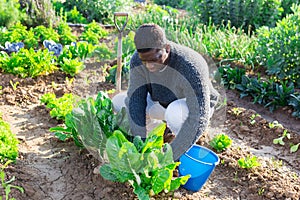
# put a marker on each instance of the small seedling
(54, 85)
(261, 191)
(277, 163)
(295, 175)
(252, 118)
(294, 148)
(1, 92)
(220, 142)
(275, 124)
(86, 80)
(69, 82)
(280, 139)
(236, 111)
(236, 177)
(248, 162)
(14, 85)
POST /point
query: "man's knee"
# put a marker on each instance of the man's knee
(176, 114)
(118, 101)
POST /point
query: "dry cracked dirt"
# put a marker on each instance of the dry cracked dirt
(49, 169)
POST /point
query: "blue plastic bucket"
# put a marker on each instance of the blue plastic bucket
(199, 162)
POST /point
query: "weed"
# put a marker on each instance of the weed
(261, 191)
(54, 85)
(69, 81)
(277, 163)
(236, 177)
(222, 162)
(14, 85)
(6, 185)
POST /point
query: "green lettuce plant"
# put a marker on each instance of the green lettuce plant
(148, 166)
(72, 66)
(93, 32)
(65, 33)
(248, 162)
(43, 33)
(91, 122)
(81, 50)
(59, 107)
(19, 33)
(74, 16)
(8, 143)
(29, 63)
(220, 142)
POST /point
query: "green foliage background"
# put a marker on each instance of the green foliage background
(247, 14)
(9, 12)
(279, 48)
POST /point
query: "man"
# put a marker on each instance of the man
(168, 82)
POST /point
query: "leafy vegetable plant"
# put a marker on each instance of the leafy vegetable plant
(29, 63)
(220, 142)
(80, 50)
(91, 122)
(8, 143)
(93, 32)
(60, 107)
(71, 66)
(148, 166)
(248, 162)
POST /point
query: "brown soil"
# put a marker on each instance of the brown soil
(49, 169)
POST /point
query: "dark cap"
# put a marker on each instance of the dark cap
(150, 36)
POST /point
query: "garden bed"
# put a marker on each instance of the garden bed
(50, 169)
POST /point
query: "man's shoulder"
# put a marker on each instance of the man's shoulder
(135, 60)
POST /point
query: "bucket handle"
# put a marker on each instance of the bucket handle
(199, 161)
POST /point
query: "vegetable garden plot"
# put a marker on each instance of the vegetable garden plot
(261, 162)
(50, 169)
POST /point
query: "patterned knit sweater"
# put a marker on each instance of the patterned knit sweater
(185, 76)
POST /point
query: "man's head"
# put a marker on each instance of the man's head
(152, 46)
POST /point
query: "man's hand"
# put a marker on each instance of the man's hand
(168, 135)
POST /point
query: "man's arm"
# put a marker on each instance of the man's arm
(136, 100)
(197, 95)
